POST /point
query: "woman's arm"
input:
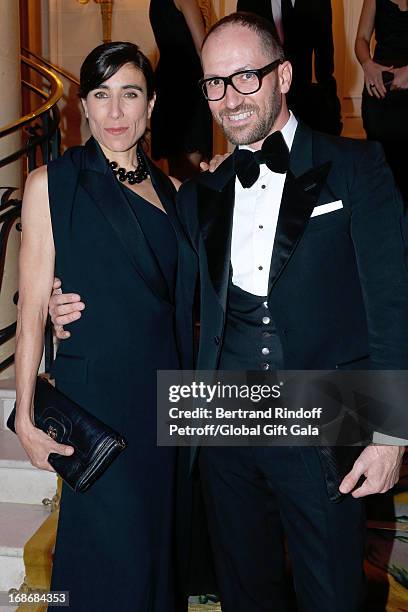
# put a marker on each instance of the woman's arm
(372, 71)
(36, 273)
(194, 19)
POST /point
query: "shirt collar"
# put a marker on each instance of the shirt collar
(288, 132)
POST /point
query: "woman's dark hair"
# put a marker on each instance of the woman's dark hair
(105, 60)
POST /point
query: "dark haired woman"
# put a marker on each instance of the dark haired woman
(106, 215)
(385, 96)
(181, 121)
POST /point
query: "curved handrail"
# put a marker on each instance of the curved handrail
(35, 141)
(61, 71)
(40, 145)
(35, 89)
(57, 90)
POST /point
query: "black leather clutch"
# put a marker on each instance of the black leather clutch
(96, 444)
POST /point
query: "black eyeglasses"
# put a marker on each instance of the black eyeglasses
(244, 82)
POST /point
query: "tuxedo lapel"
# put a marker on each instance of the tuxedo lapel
(300, 193)
(215, 214)
(99, 182)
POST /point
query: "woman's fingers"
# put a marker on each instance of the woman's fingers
(217, 161)
(62, 449)
(213, 164)
(38, 446)
(373, 76)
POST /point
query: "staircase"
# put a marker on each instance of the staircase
(22, 511)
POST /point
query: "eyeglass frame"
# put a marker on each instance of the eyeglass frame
(259, 72)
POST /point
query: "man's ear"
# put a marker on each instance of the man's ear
(285, 76)
(84, 106)
(150, 106)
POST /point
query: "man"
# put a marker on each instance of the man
(283, 286)
(280, 288)
(305, 30)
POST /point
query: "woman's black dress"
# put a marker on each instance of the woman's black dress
(181, 121)
(386, 120)
(115, 543)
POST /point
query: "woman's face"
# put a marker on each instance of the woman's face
(118, 110)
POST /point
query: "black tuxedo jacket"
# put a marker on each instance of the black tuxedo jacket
(338, 285)
(308, 39)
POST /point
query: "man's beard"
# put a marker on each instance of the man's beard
(261, 129)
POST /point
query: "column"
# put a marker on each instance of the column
(10, 175)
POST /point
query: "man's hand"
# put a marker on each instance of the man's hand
(64, 308)
(213, 164)
(381, 467)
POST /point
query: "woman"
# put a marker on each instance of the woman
(181, 121)
(385, 95)
(120, 246)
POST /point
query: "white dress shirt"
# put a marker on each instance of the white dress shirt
(277, 17)
(256, 212)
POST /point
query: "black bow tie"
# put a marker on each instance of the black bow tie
(274, 153)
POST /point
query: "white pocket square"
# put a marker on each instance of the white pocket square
(326, 208)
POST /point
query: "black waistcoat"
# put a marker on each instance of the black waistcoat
(250, 338)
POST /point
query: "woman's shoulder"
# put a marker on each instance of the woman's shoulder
(71, 156)
(37, 179)
(36, 193)
(40, 175)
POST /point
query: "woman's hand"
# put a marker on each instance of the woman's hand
(38, 446)
(400, 80)
(373, 78)
(213, 164)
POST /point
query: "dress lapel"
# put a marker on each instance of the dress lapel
(215, 214)
(300, 193)
(186, 264)
(99, 182)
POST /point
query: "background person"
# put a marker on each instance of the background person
(181, 122)
(384, 105)
(305, 31)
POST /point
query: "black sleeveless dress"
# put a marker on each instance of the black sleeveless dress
(181, 121)
(115, 547)
(386, 120)
(159, 234)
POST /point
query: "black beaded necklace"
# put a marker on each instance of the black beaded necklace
(131, 176)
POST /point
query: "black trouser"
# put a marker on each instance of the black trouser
(255, 496)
